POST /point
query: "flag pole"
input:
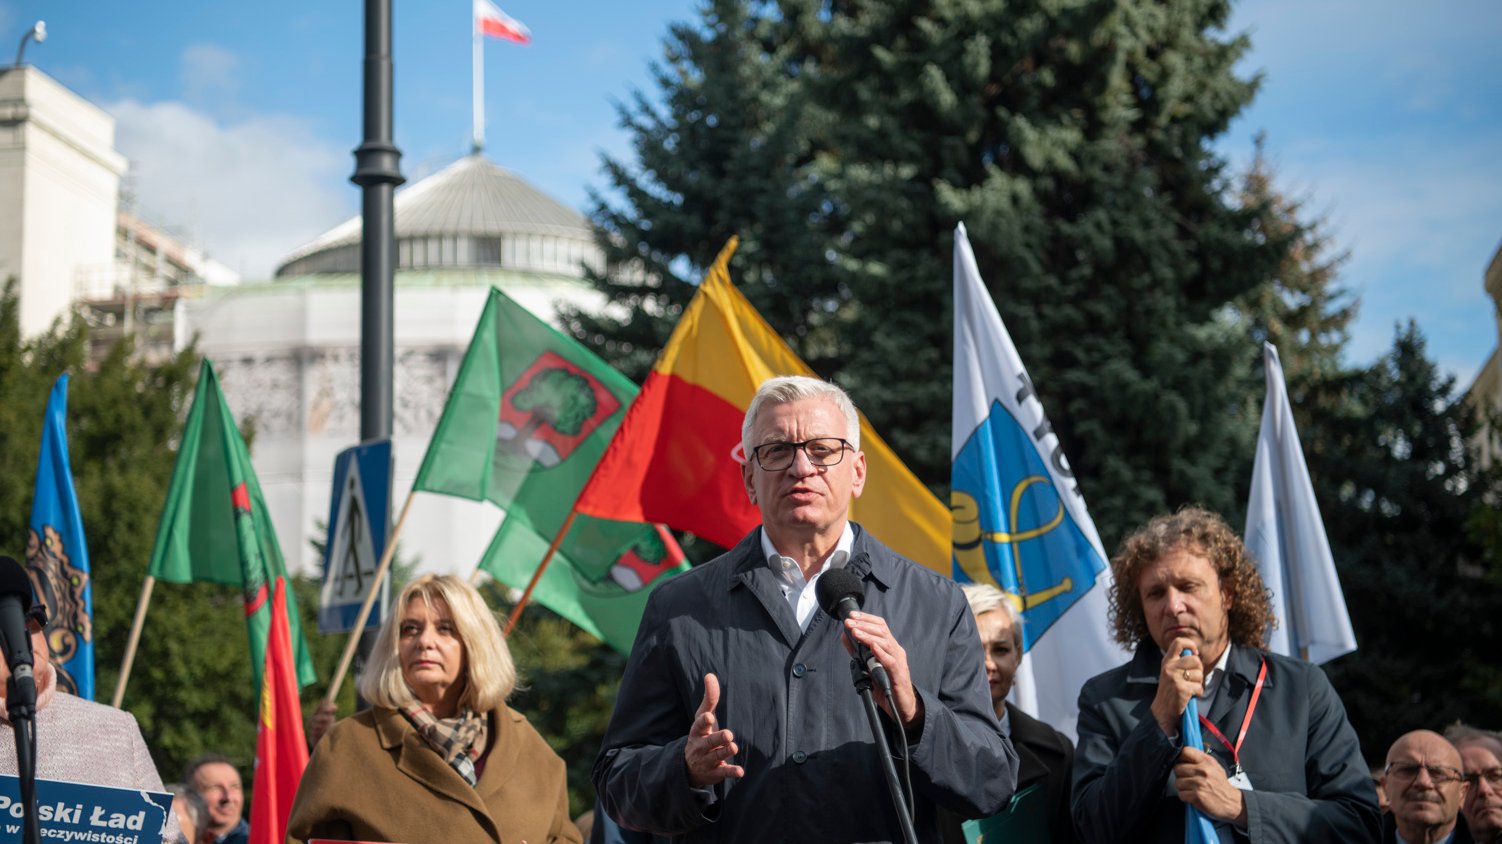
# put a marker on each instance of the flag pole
(370, 599)
(477, 88)
(133, 641)
(516, 611)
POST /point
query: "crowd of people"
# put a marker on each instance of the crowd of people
(736, 719)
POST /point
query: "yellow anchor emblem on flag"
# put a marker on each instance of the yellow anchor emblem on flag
(970, 539)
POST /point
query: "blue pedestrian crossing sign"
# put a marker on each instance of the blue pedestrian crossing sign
(359, 521)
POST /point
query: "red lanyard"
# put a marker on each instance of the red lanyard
(1245, 722)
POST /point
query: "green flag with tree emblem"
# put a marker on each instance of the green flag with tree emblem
(529, 415)
(214, 526)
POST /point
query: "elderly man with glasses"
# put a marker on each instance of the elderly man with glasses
(1425, 787)
(736, 718)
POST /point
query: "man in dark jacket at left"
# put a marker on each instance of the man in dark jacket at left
(737, 719)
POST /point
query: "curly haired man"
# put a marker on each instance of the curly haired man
(1282, 763)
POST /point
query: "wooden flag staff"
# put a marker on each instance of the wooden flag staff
(134, 640)
(516, 611)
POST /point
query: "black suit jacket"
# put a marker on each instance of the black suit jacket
(1045, 756)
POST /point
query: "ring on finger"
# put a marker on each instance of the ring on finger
(1186, 674)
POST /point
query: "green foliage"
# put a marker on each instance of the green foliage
(844, 141)
(190, 687)
(1399, 491)
(123, 417)
(568, 685)
(726, 154)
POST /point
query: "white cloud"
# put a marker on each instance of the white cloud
(248, 191)
(210, 75)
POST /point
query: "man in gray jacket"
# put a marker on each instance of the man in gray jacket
(737, 719)
(1283, 764)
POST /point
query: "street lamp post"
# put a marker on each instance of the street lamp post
(37, 33)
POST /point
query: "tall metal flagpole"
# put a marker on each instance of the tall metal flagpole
(477, 66)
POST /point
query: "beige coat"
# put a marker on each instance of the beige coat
(373, 778)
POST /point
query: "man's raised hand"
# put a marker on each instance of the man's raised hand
(709, 750)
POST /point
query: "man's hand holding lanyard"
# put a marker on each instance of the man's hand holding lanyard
(1201, 780)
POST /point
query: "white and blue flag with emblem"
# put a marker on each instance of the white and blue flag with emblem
(1020, 522)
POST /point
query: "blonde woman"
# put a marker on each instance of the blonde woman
(438, 756)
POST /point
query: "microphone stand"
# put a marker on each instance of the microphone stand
(862, 682)
(21, 713)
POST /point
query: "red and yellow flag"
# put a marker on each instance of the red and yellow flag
(677, 457)
(281, 748)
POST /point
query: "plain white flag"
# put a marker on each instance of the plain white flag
(1020, 520)
(1286, 536)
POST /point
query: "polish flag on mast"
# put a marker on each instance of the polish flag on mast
(491, 21)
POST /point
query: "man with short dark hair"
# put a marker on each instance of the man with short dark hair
(217, 781)
(1425, 787)
(1282, 763)
(737, 720)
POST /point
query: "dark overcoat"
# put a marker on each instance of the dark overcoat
(786, 694)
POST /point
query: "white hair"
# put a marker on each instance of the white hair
(984, 597)
(785, 389)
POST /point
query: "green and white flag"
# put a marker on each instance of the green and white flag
(530, 413)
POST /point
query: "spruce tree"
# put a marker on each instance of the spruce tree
(724, 154)
(1074, 141)
(1422, 592)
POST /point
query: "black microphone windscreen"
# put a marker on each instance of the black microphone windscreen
(13, 581)
(837, 584)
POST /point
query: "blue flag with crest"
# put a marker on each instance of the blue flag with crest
(57, 557)
(1020, 522)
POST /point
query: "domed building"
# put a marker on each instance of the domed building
(288, 351)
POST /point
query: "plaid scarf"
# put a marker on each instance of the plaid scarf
(459, 740)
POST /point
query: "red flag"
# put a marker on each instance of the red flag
(490, 20)
(677, 458)
(281, 748)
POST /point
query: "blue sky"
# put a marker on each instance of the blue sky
(240, 119)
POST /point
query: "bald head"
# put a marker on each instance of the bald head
(1424, 785)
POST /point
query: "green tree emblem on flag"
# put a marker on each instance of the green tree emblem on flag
(647, 558)
(548, 411)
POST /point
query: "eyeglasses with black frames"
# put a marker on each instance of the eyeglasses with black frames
(821, 451)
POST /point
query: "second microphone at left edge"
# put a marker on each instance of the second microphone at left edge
(15, 600)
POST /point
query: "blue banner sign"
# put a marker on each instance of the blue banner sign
(88, 814)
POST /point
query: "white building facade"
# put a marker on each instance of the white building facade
(288, 351)
(59, 192)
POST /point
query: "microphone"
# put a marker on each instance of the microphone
(15, 641)
(840, 593)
